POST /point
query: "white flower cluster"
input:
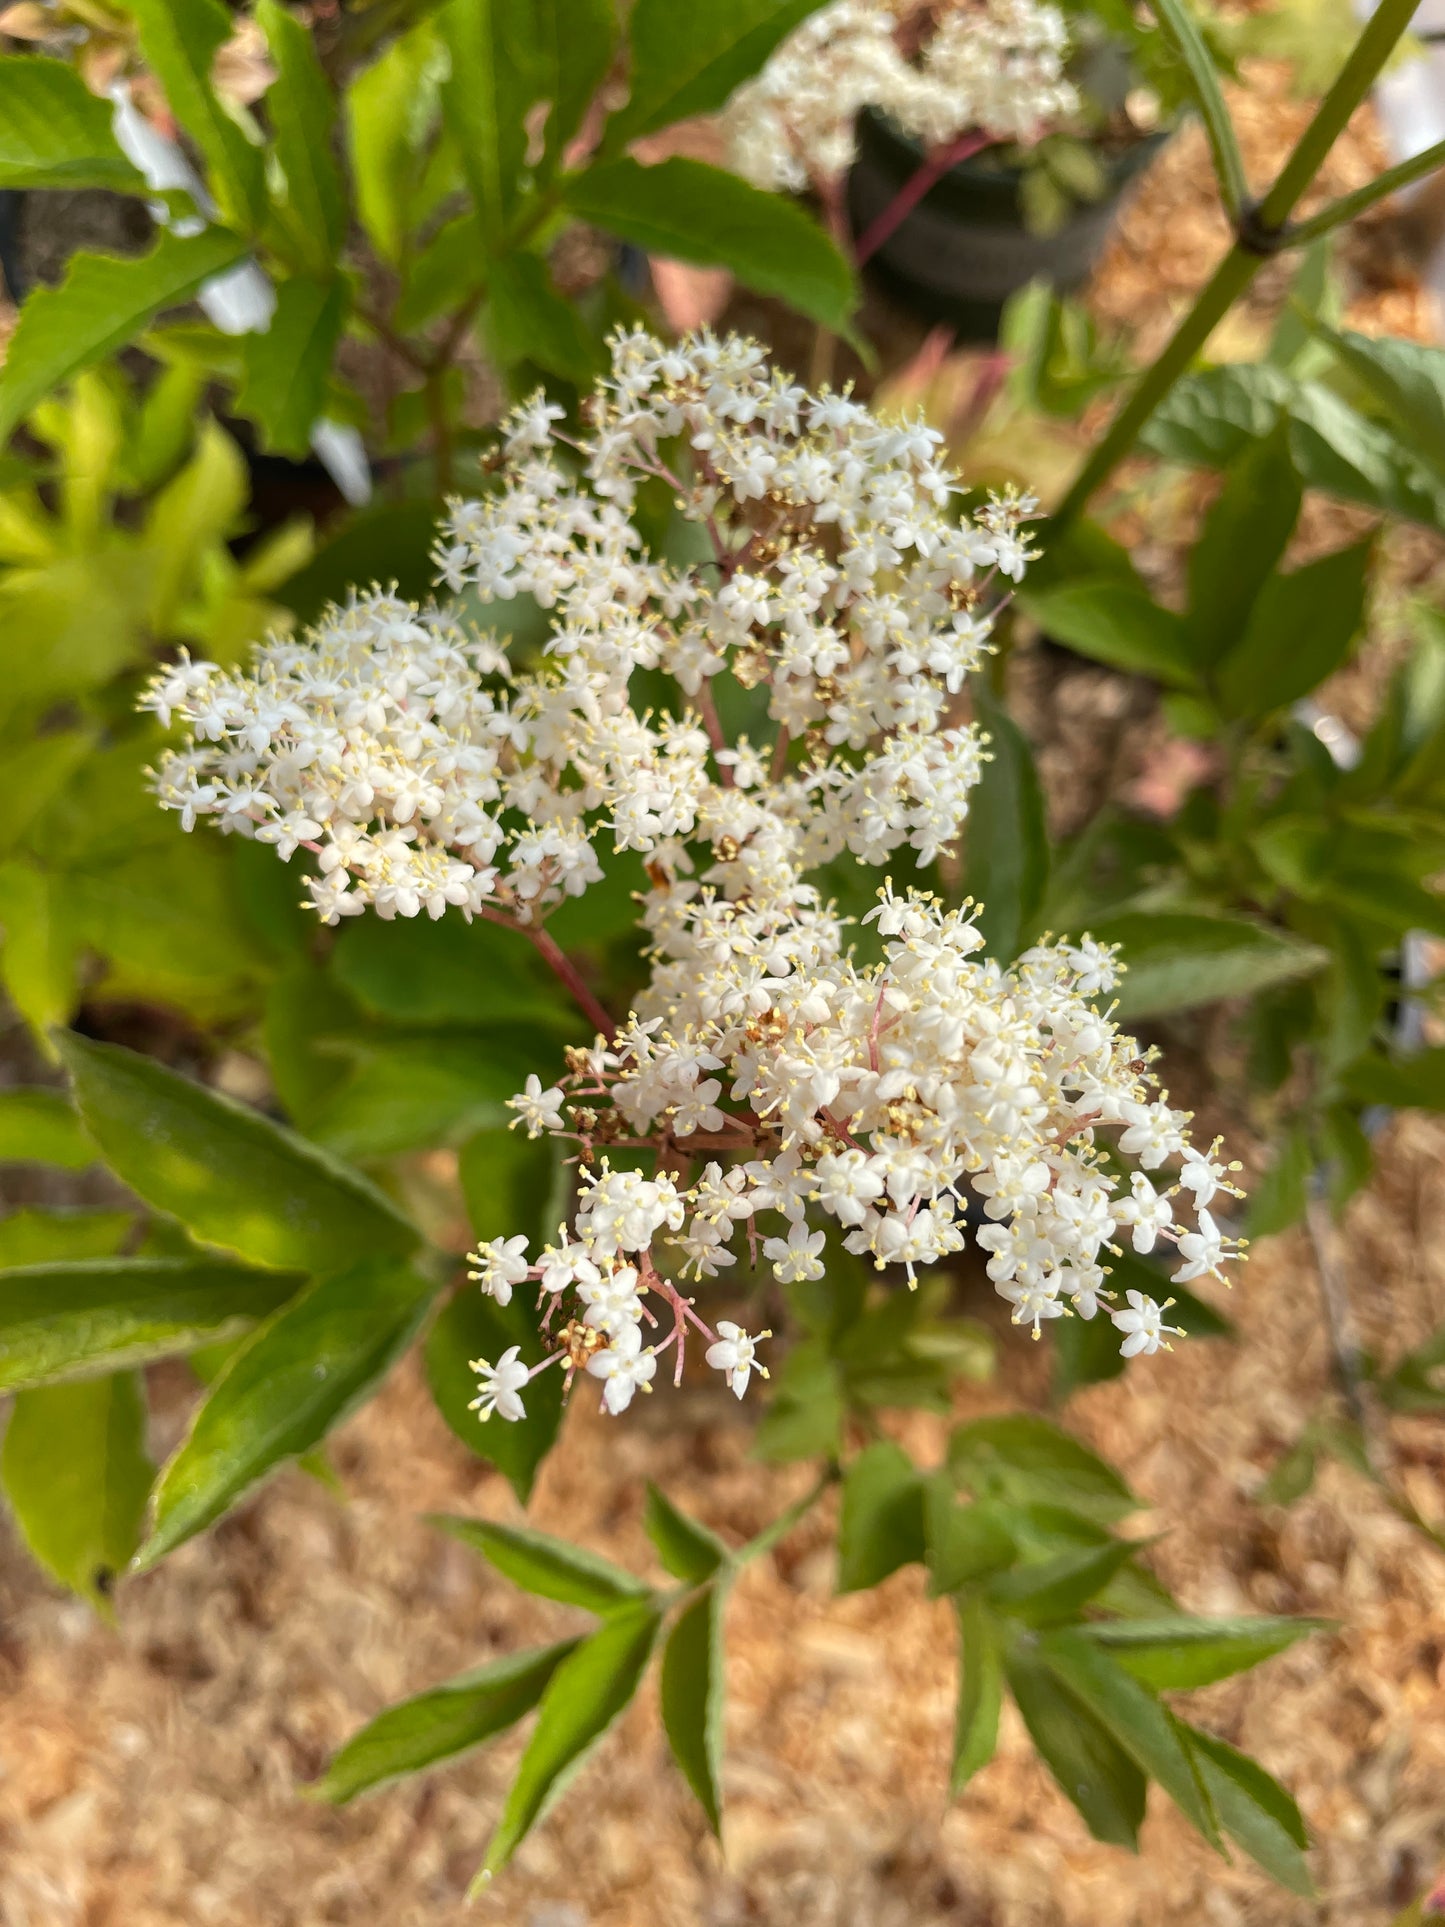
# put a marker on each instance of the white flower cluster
(425, 769)
(766, 1083)
(991, 66)
(875, 1098)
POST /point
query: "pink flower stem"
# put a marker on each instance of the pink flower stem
(929, 173)
(712, 723)
(561, 966)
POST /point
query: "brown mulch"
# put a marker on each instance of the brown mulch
(149, 1771)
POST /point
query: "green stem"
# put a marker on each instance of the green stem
(1349, 207)
(1262, 233)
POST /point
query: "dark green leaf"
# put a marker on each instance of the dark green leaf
(302, 111)
(47, 1237)
(688, 61)
(693, 1694)
(1017, 1456)
(1299, 631)
(390, 542)
(688, 211)
(494, 78)
(1089, 1764)
(1007, 869)
(230, 1175)
(1278, 1199)
(60, 1321)
(513, 1183)
(448, 268)
(575, 41)
(447, 972)
(1177, 959)
(298, 1376)
(1407, 381)
(1046, 1591)
(550, 1568)
(881, 1525)
(1239, 549)
(687, 1550)
(287, 368)
(76, 1475)
(414, 1092)
(980, 1693)
(965, 1542)
(54, 132)
(474, 1326)
(1254, 1810)
(1118, 623)
(528, 321)
(103, 303)
(1381, 896)
(1135, 1719)
(180, 40)
(40, 1127)
(805, 1416)
(439, 1725)
(1177, 1654)
(587, 1692)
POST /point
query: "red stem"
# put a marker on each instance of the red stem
(932, 170)
(561, 966)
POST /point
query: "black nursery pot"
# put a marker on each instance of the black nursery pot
(960, 254)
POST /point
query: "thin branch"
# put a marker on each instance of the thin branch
(932, 170)
(561, 966)
(1350, 206)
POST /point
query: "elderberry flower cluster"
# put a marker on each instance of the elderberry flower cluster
(424, 767)
(994, 67)
(807, 1090)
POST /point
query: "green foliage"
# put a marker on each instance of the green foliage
(550, 1568)
(53, 130)
(297, 1377)
(76, 1475)
(692, 1690)
(443, 1723)
(1008, 851)
(180, 40)
(691, 62)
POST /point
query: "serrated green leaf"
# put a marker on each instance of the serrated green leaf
(688, 61)
(880, 1527)
(1254, 1810)
(440, 1724)
(1299, 631)
(391, 107)
(687, 211)
(287, 368)
(1133, 1717)
(1177, 1653)
(299, 1374)
(1179, 959)
(965, 1542)
(72, 1320)
(1017, 1456)
(76, 1474)
(1240, 546)
(1007, 849)
(693, 1695)
(980, 1693)
(32, 1237)
(1048, 1591)
(1407, 381)
(54, 132)
(103, 303)
(180, 40)
(1117, 623)
(39, 1126)
(588, 1691)
(474, 1326)
(494, 77)
(686, 1548)
(231, 1176)
(1092, 1769)
(549, 1568)
(302, 110)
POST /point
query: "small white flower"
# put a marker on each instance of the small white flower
(623, 1366)
(1203, 1251)
(796, 1257)
(539, 1110)
(1143, 1325)
(734, 1354)
(501, 1386)
(499, 1265)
